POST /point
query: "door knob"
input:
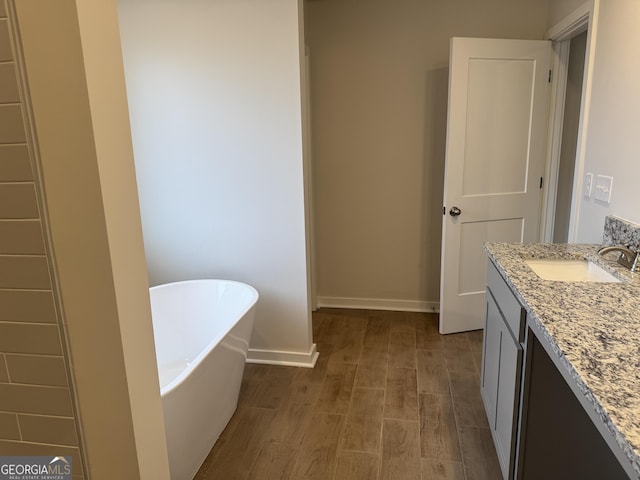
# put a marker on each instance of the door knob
(455, 211)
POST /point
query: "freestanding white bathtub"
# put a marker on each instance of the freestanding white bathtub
(202, 330)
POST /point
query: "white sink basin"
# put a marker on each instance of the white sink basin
(565, 270)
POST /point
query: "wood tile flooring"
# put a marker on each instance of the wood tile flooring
(389, 398)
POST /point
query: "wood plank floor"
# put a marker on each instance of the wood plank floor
(390, 398)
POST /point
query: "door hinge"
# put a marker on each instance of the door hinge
(540, 182)
(549, 76)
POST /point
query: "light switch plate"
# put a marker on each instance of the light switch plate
(588, 183)
(603, 188)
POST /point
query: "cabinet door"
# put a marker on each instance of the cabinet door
(501, 367)
(559, 438)
(491, 359)
(508, 400)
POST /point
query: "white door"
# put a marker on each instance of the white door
(496, 142)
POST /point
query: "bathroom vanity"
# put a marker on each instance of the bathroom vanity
(561, 363)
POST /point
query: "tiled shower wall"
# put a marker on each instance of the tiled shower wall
(36, 404)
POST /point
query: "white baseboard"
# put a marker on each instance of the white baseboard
(379, 304)
(285, 358)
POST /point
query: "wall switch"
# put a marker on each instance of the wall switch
(604, 185)
(588, 183)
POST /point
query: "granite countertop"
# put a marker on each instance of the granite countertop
(594, 329)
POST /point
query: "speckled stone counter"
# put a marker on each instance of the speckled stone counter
(593, 328)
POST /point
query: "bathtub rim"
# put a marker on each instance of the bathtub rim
(179, 379)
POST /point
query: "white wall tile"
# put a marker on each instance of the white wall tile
(31, 272)
(29, 338)
(14, 164)
(9, 426)
(37, 370)
(4, 375)
(8, 83)
(34, 306)
(21, 237)
(51, 430)
(11, 124)
(34, 399)
(35, 449)
(18, 200)
(5, 42)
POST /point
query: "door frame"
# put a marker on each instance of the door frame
(307, 160)
(581, 19)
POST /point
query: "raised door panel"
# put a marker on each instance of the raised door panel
(491, 359)
(500, 381)
(503, 87)
(509, 304)
(508, 398)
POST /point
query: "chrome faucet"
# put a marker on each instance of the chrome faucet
(627, 258)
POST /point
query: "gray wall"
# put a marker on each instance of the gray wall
(559, 9)
(379, 75)
(613, 117)
(215, 99)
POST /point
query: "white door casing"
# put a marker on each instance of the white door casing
(496, 144)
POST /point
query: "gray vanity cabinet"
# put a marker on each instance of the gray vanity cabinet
(502, 366)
